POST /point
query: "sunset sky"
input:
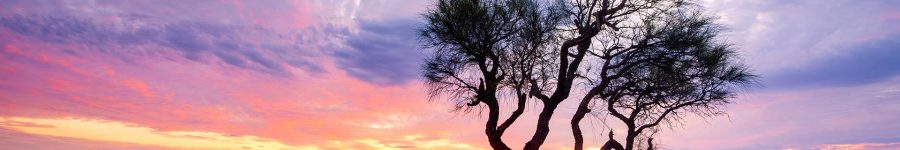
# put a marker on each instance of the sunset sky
(344, 74)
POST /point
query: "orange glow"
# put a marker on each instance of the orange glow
(110, 131)
(128, 133)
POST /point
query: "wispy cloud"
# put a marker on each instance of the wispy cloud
(240, 46)
(871, 62)
(383, 52)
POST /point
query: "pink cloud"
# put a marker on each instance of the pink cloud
(181, 95)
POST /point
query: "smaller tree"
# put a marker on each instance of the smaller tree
(687, 72)
(618, 51)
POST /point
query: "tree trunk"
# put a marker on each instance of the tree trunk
(629, 139)
(579, 114)
(497, 143)
(493, 135)
(576, 128)
(543, 127)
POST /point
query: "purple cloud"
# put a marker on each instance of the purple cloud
(871, 62)
(383, 52)
(234, 45)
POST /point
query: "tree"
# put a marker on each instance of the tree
(589, 19)
(676, 68)
(483, 49)
(618, 50)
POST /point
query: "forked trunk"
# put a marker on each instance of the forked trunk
(543, 127)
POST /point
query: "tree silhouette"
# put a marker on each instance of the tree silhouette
(600, 21)
(685, 71)
(644, 62)
(673, 66)
(483, 49)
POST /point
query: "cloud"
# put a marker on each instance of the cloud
(379, 50)
(382, 52)
(774, 35)
(171, 67)
(251, 48)
(859, 64)
(869, 146)
(275, 14)
(45, 82)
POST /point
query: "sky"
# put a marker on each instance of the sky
(344, 74)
